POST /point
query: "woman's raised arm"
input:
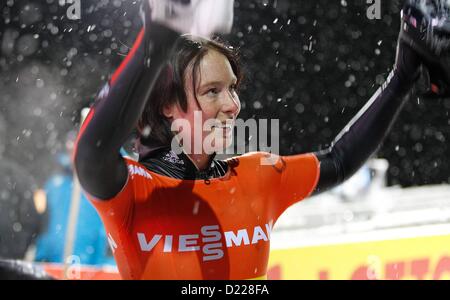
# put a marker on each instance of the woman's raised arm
(101, 170)
(363, 135)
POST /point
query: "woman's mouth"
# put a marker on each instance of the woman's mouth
(226, 128)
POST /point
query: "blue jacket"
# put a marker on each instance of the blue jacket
(91, 243)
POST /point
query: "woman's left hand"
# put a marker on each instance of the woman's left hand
(426, 29)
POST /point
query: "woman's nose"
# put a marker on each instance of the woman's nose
(231, 103)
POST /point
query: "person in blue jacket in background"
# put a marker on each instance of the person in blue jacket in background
(91, 243)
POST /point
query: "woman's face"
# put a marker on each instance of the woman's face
(209, 122)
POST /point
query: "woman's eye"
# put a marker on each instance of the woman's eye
(213, 92)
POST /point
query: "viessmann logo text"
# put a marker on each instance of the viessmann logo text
(210, 237)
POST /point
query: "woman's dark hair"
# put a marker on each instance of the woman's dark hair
(153, 126)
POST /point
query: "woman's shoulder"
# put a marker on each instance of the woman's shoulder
(135, 167)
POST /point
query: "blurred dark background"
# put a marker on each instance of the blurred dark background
(311, 64)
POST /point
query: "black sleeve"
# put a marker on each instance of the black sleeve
(364, 134)
(101, 170)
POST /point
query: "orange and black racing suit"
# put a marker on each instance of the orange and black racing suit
(167, 220)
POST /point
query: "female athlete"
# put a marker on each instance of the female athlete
(189, 215)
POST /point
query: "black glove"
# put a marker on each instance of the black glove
(425, 28)
(407, 62)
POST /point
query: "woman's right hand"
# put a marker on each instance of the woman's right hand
(197, 17)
